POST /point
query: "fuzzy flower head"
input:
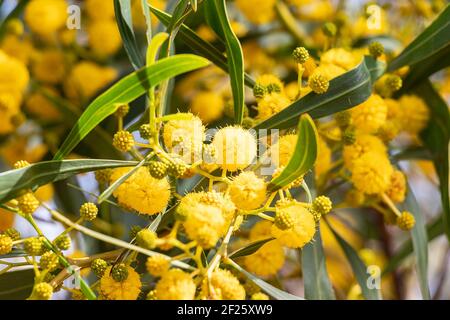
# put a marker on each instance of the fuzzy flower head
(415, 114)
(127, 289)
(271, 104)
(256, 11)
(225, 286)
(369, 116)
(364, 143)
(371, 173)
(44, 17)
(175, 284)
(208, 106)
(339, 57)
(141, 192)
(247, 191)
(236, 148)
(104, 37)
(397, 188)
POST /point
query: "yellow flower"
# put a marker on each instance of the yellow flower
(104, 37)
(175, 285)
(49, 67)
(40, 106)
(281, 152)
(247, 191)
(141, 192)
(339, 57)
(100, 9)
(45, 17)
(236, 148)
(371, 173)
(226, 286)
(397, 187)
(323, 162)
(157, 265)
(303, 230)
(415, 114)
(319, 10)
(369, 116)
(257, 11)
(17, 47)
(271, 104)
(208, 106)
(364, 143)
(13, 73)
(128, 289)
(10, 100)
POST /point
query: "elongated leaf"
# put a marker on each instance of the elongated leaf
(267, 288)
(435, 38)
(436, 138)
(303, 158)
(122, 9)
(13, 182)
(346, 91)
(12, 15)
(16, 285)
(420, 242)
(358, 267)
(199, 46)
(125, 91)
(249, 249)
(315, 275)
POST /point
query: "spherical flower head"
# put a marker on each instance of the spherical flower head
(146, 238)
(281, 152)
(49, 261)
(393, 82)
(122, 110)
(158, 169)
(271, 104)
(247, 191)
(13, 72)
(42, 291)
(128, 289)
(103, 176)
(141, 192)
(369, 116)
(222, 201)
(322, 205)
(203, 216)
(175, 284)
(318, 83)
(63, 242)
(283, 219)
(208, 106)
(207, 237)
(157, 265)
(339, 57)
(6, 244)
(406, 221)
(236, 148)
(45, 17)
(99, 9)
(226, 286)
(88, 211)
(271, 82)
(145, 131)
(268, 260)
(259, 296)
(363, 143)
(264, 13)
(329, 29)
(99, 266)
(415, 114)
(28, 203)
(376, 49)
(34, 246)
(303, 230)
(123, 141)
(119, 272)
(104, 37)
(259, 91)
(50, 66)
(397, 188)
(12, 233)
(21, 164)
(300, 54)
(177, 168)
(371, 173)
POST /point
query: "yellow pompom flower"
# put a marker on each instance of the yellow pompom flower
(247, 191)
(127, 289)
(13, 73)
(371, 173)
(303, 230)
(364, 143)
(17, 47)
(141, 192)
(45, 17)
(318, 83)
(323, 162)
(40, 106)
(157, 265)
(329, 71)
(208, 106)
(415, 114)
(226, 286)
(28, 203)
(9, 109)
(175, 284)
(100, 9)
(236, 148)
(281, 152)
(271, 82)
(49, 67)
(339, 57)
(406, 221)
(104, 37)
(123, 141)
(257, 11)
(318, 10)
(271, 104)
(6, 244)
(369, 116)
(397, 188)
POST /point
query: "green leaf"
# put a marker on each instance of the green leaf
(126, 90)
(346, 91)
(16, 285)
(358, 267)
(199, 46)
(303, 158)
(217, 18)
(315, 275)
(420, 242)
(13, 182)
(249, 249)
(12, 15)
(154, 47)
(124, 20)
(433, 40)
(267, 288)
(436, 138)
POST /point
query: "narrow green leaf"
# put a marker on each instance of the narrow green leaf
(16, 285)
(435, 38)
(249, 249)
(303, 158)
(154, 47)
(267, 288)
(217, 18)
(13, 182)
(126, 90)
(346, 91)
(200, 46)
(124, 20)
(358, 267)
